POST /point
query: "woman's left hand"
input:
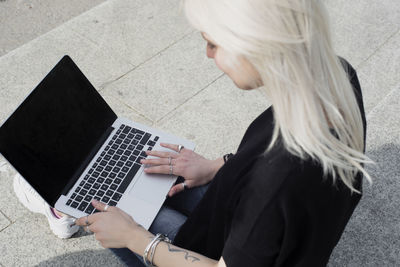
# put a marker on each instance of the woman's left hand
(113, 228)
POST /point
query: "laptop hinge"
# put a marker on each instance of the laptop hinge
(84, 164)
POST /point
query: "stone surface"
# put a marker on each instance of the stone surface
(216, 119)
(137, 30)
(359, 29)
(23, 21)
(4, 222)
(167, 80)
(372, 237)
(45, 249)
(380, 72)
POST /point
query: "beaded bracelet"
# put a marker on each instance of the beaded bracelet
(226, 157)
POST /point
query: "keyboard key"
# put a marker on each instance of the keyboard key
(95, 165)
(130, 163)
(79, 198)
(119, 131)
(102, 154)
(145, 138)
(90, 171)
(107, 157)
(131, 147)
(112, 175)
(82, 183)
(127, 141)
(87, 186)
(156, 138)
(138, 137)
(99, 169)
(151, 143)
(139, 132)
(104, 174)
(118, 141)
(111, 152)
(122, 126)
(95, 186)
(69, 202)
(108, 181)
(120, 151)
(127, 153)
(133, 130)
(74, 204)
(96, 174)
(115, 157)
(117, 197)
(116, 169)
(121, 175)
(114, 137)
(73, 196)
(86, 177)
(92, 192)
(117, 181)
(125, 169)
(124, 158)
(104, 187)
(83, 206)
(91, 180)
(143, 154)
(78, 189)
(106, 148)
(126, 129)
(123, 146)
(112, 203)
(88, 198)
(97, 198)
(105, 199)
(112, 162)
(100, 193)
(136, 152)
(139, 159)
(115, 147)
(122, 136)
(103, 163)
(98, 159)
(89, 209)
(83, 192)
(109, 193)
(120, 163)
(121, 189)
(100, 180)
(108, 168)
(139, 147)
(131, 135)
(134, 142)
(150, 148)
(113, 186)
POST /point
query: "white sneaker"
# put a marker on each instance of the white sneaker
(61, 227)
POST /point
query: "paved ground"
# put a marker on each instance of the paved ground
(150, 67)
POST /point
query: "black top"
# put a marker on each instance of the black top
(273, 209)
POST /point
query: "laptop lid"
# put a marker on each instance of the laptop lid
(53, 132)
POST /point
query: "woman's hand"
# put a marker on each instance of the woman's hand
(196, 169)
(114, 228)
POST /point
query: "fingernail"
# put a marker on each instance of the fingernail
(142, 160)
(73, 223)
(94, 201)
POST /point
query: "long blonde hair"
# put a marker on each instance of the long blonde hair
(289, 43)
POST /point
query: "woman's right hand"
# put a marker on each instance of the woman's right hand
(196, 169)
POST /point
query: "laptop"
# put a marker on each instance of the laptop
(71, 148)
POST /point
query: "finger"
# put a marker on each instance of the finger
(175, 190)
(82, 221)
(101, 206)
(161, 154)
(171, 146)
(159, 161)
(162, 169)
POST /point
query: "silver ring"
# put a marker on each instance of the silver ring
(87, 220)
(184, 186)
(171, 169)
(180, 147)
(169, 160)
(106, 208)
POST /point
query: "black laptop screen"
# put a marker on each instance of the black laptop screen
(53, 131)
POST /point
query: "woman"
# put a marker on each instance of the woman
(286, 195)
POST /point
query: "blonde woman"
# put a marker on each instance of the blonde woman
(286, 195)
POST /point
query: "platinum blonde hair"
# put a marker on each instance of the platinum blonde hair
(289, 44)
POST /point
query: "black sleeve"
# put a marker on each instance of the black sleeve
(255, 236)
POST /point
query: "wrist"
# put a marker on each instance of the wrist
(138, 239)
(215, 166)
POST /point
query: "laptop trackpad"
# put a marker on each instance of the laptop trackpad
(152, 188)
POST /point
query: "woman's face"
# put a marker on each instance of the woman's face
(242, 72)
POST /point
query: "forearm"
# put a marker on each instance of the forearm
(168, 255)
(216, 165)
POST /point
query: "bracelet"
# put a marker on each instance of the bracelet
(151, 247)
(226, 157)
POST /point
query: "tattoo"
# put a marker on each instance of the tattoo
(187, 256)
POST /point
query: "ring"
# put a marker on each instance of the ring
(171, 169)
(169, 160)
(106, 208)
(184, 186)
(87, 220)
(180, 147)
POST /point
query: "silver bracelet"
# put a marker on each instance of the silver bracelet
(151, 247)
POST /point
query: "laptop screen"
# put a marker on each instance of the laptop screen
(54, 130)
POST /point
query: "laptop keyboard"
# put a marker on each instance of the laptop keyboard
(114, 169)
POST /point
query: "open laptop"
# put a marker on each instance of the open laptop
(70, 147)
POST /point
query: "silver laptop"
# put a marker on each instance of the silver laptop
(71, 148)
